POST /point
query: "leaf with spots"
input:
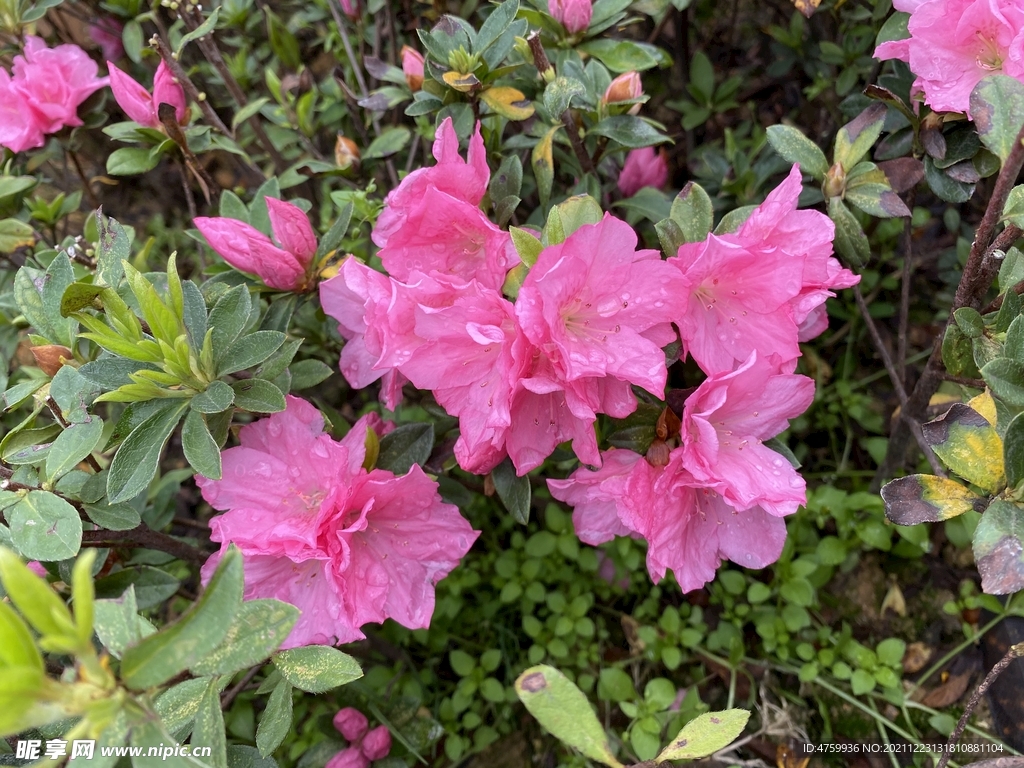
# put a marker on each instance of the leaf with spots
(927, 499)
(968, 444)
(564, 711)
(317, 668)
(705, 735)
(999, 548)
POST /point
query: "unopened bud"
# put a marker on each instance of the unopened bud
(835, 181)
(50, 357)
(346, 153)
(412, 66)
(574, 15)
(625, 87)
(658, 454)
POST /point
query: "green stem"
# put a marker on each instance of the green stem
(955, 652)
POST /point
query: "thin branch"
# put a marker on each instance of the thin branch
(146, 537)
(229, 697)
(1015, 652)
(964, 381)
(897, 384)
(908, 271)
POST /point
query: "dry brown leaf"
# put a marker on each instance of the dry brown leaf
(916, 656)
(948, 693)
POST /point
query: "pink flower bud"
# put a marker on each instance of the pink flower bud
(643, 168)
(412, 66)
(292, 229)
(377, 743)
(351, 8)
(37, 568)
(166, 90)
(247, 249)
(625, 87)
(132, 97)
(574, 15)
(351, 723)
(351, 757)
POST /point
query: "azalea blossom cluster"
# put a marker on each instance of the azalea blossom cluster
(589, 325)
(953, 44)
(346, 545)
(43, 91)
(364, 745)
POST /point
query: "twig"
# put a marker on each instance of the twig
(908, 271)
(212, 53)
(143, 536)
(89, 193)
(897, 384)
(968, 294)
(964, 381)
(229, 697)
(1015, 652)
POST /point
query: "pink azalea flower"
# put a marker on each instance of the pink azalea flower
(43, 92)
(574, 15)
(645, 167)
(597, 307)
(351, 723)
(107, 34)
(724, 424)
(752, 289)
(358, 293)
(346, 546)
(953, 44)
(139, 104)
(37, 568)
(412, 67)
(689, 529)
(377, 743)
(463, 242)
(244, 247)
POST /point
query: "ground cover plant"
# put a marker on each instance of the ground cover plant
(510, 384)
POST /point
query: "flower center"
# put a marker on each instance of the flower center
(989, 57)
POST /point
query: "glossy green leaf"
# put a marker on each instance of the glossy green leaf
(514, 491)
(564, 711)
(185, 642)
(405, 446)
(927, 499)
(692, 212)
(999, 548)
(317, 668)
(705, 735)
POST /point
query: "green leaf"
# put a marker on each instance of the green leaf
(851, 242)
(1013, 451)
(200, 630)
(559, 94)
(514, 491)
(78, 296)
(258, 396)
(178, 705)
(568, 216)
(309, 373)
(152, 586)
(83, 596)
(149, 734)
(949, 189)
(282, 41)
(542, 161)
(622, 55)
(564, 711)
(17, 648)
(629, 131)
(113, 517)
(390, 141)
(332, 240)
(877, 200)
(407, 445)
(201, 450)
(13, 185)
(1005, 378)
(15, 234)
(209, 726)
(1013, 211)
(999, 548)
(614, 684)
(927, 499)
(276, 720)
(117, 622)
(497, 22)
(705, 735)
(249, 110)
(45, 527)
(858, 136)
(252, 349)
(461, 662)
(890, 651)
(693, 213)
(508, 181)
(201, 31)
(968, 445)
(31, 595)
(317, 668)
(72, 445)
(794, 147)
(217, 397)
(229, 316)
(137, 459)
(259, 628)
(862, 682)
(997, 109)
(128, 161)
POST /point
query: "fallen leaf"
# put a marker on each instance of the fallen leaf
(916, 656)
(948, 693)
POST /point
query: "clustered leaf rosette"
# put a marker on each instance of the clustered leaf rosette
(42, 93)
(346, 545)
(953, 44)
(527, 346)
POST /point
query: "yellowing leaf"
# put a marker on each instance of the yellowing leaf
(543, 163)
(462, 82)
(508, 102)
(985, 405)
(968, 444)
(927, 499)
